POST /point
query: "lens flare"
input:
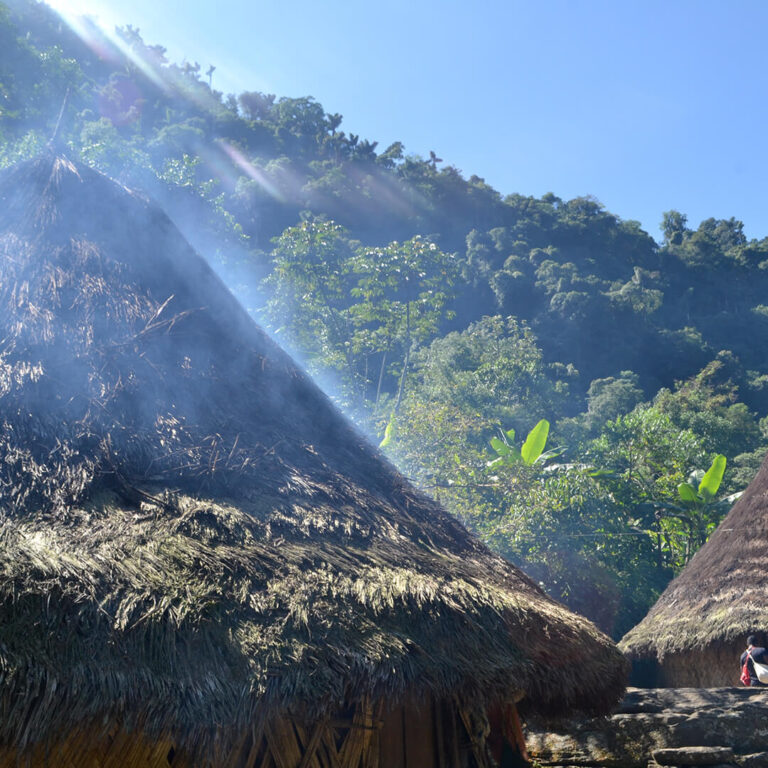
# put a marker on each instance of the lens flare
(84, 20)
(250, 170)
(88, 21)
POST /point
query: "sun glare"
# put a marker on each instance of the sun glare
(88, 20)
(69, 8)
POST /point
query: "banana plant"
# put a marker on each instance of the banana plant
(696, 507)
(696, 499)
(531, 452)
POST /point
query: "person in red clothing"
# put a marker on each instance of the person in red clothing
(753, 653)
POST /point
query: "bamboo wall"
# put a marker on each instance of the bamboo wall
(433, 734)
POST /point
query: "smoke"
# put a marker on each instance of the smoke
(124, 359)
(197, 179)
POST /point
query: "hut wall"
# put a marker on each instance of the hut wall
(432, 734)
(119, 750)
(715, 666)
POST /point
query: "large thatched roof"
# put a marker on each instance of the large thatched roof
(721, 596)
(192, 537)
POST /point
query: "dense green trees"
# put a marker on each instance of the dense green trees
(442, 311)
(359, 311)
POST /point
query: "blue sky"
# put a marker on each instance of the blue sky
(645, 105)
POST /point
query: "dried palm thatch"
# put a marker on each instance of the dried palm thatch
(698, 626)
(193, 542)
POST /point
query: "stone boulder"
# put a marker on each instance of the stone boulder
(651, 722)
(693, 755)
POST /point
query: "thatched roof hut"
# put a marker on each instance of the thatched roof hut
(696, 631)
(199, 557)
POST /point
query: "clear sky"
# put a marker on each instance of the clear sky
(647, 105)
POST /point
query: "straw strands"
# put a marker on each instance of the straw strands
(193, 542)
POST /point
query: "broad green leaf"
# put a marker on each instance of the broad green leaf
(724, 504)
(510, 433)
(687, 492)
(535, 442)
(499, 446)
(389, 433)
(711, 481)
(552, 453)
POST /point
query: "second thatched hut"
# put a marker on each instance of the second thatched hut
(695, 633)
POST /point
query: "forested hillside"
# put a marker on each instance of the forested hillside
(446, 318)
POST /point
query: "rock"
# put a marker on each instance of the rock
(656, 719)
(693, 755)
(755, 760)
(638, 700)
(654, 764)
